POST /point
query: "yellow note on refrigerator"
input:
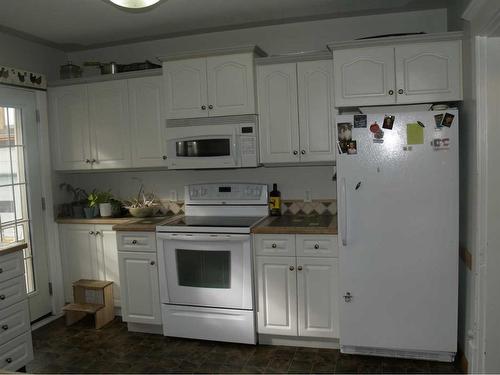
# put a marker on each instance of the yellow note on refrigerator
(414, 134)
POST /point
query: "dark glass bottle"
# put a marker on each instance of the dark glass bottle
(275, 201)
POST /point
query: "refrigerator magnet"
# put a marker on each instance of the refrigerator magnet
(438, 119)
(360, 121)
(388, 122)
(352, 148)
(378, 137)
(374, 128)
(448, 119)
(344, 131)
(440, 144)
(421, 124)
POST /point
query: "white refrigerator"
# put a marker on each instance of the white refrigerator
(398, 206)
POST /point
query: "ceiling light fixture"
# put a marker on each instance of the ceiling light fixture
(135, 4)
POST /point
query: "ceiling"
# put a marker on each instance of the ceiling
(81, 24)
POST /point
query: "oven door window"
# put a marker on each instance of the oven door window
(204, 269)
(203, 147)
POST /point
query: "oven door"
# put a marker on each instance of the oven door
(197, 147)
(213, 270)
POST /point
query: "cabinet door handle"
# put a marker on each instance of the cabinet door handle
(295, 152)
(164, 157)
(93, 161)
(203, 107)
(8, 360)
(401, 91)
(134, 242)
(391, 92)
(303, 152)
(152, 263)
(316, 246)
(274, 246)
(97, 233)
(5, 327)
(1, 270)
(2, 297)
(92, 233)
(210, 106)
(292, 268)
(299, 268)
(87, 161)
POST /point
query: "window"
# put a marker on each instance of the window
(14, 210)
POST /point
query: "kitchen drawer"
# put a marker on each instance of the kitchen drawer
(137, 241)
(12, 291)
(275, 244)
(16, 353)
(11, 265)
(317, 246)
(14, 321)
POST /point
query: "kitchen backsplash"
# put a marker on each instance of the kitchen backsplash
(289, 207)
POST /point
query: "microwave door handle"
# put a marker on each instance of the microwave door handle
(235, 148)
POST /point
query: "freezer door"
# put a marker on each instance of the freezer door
(398, 234)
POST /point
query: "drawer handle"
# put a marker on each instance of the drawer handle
(134, 242)
(2, 297)
(316, 246)
(8, 360)
(273, 246)
(152, 263)
(5, 327)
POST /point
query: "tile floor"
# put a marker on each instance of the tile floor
(82, 349)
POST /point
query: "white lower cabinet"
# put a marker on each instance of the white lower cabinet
(297, 295)
(89, 252)
(140, 288)
(140, 292)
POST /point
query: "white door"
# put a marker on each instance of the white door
(109, 125)
(186, 88)
(79, 255)
(364, 76)
(277, 295)
(316, 116)
(107, 253)
(231, 89)
(147, 121)
(21, 217)
(279, 115)
(140, 299)
(427, 73)
(69, 121)
(317, 292)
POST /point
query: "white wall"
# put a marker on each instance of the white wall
(278, 39)
(23, 54)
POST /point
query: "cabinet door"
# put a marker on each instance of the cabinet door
(109, 124)
(79, 255)
(231, 89)
(107, 255)
(316, 117)
(147, 121)
(317, 286)
(429, 72)
(279, 118)
(140, 295)
(277, 295)
(186, 88)
(69, 121)
(364, 76)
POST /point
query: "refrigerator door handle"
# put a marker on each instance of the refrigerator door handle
(343, 224)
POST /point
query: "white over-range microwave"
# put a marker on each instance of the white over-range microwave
(212, 142)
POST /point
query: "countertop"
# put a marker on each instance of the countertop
(132, 224)
(297, 224)
(12, 247)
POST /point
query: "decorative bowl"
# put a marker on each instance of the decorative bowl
(141, 212)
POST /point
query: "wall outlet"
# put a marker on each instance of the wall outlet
(307, 196)
(173, 195)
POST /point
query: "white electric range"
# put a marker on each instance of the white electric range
(205, 263)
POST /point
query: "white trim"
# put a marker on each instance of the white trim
(299, 341)
(52, 231)
(45, 321)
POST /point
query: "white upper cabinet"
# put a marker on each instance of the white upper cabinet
(296, 112)
(210, 86)
(278, 113)
(147, 122)
(109, 124)
(364, 76)
(69, 117)
(429, 72)
(186, 88)
(316, 118)
(231, 89)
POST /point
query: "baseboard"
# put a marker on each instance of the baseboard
(463, 363)
(299, 341)
(145, 328)
(45, 321)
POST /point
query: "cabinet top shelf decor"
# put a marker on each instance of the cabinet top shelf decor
(214, 52)
(106, 77)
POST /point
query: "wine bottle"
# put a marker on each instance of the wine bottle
(275, 201)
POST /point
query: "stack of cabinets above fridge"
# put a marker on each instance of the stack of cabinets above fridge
(296, 112)
(424, 72)
(210, 86)
(297, 285)
(108, 125)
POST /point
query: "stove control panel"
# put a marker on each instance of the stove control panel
(226, 193)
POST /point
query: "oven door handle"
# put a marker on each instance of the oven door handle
(202, 237)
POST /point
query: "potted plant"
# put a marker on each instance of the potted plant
(117, 209)
(143, 205)
(92, 209)
(104, 198)
(79, 199)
